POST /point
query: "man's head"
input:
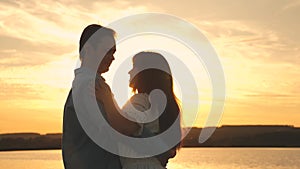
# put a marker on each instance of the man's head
(97, 43)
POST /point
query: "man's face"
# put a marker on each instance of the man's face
(107, 45)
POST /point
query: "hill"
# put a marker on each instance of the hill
(225, 136)
(29, 141)
(247, 136)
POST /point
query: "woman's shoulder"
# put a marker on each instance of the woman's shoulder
(140, 97)
(140, 101)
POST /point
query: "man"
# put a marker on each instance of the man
(79, 150)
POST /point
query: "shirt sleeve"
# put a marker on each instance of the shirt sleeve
(133, 108)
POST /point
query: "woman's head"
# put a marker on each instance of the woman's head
(151, 71)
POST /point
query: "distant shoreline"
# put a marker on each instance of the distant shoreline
(245, 136)
(182, 147)
(30, 149)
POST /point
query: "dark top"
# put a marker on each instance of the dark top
(78, 149)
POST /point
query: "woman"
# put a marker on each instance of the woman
(151, 71)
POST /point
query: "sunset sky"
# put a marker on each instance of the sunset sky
(258, 43)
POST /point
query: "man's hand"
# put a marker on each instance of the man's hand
(102, 91)
(112, 110)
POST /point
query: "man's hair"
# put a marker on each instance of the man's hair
(93, 34)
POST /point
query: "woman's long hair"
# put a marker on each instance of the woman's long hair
(150, 79)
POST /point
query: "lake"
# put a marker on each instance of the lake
(187, 158)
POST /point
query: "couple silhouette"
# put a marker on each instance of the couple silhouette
(143, 116)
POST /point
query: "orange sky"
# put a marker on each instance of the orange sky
(257, 41)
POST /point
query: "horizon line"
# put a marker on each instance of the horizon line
(226, 125)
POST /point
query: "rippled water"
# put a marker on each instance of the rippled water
(187, 158)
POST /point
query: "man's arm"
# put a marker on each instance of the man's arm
(116, 120)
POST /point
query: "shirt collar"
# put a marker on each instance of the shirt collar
(88, 72)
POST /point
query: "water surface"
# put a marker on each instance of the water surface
(187, 158)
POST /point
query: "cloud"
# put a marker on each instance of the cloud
(253, 27)
(33, 32)
(19, 91)
(20, 52)
(271, 95)
(21, 24)
(252, 41)
(10, 3)
(292, 4)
